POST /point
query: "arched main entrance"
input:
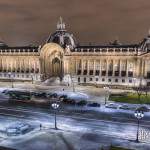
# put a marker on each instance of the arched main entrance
(51, 58)
(56, 67)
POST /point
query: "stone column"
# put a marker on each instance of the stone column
(82, 67)
(88, 63)
(127, 63)
(113, 74)
(94, 68)
(100, 69)
(137, 66)
(120, 67)
(76, 67)
(145, 69)
(107, 67)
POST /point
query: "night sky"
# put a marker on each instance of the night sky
(25, 22)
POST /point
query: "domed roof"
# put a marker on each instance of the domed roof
(62, 37)
(2, 44)
(145, 44)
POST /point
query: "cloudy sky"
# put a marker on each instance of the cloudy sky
(24, 22)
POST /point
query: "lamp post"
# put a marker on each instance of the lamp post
(134, 80)
(32, 78)
(139, 115)
(55, 107)
(73, 86)
(106, 88)
(10, 77)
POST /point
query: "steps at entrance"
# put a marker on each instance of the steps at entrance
(67, 80)
(52, 81)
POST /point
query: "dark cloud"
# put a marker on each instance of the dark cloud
(95, 21)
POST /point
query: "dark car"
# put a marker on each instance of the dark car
(63, 97)
(40, 94)
(82, 103)
(52, 95)
(94, 105)
(5, 91)
(143, 108)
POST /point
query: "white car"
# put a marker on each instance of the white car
(111, 105)
(17, 128)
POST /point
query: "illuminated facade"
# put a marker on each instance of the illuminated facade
(61, 56)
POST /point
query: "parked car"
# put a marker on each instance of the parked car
(143, 108)
(52, 95)
(125, 107)
(40, 94)
(5, 91)
(94, 105)
(17, 128)
(111, 105)
(63, 97)
(82, 103)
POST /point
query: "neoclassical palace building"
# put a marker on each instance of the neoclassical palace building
(61, 56)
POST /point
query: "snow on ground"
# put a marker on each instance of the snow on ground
(73, 135)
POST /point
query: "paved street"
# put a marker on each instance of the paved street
(75, 124)
(79, 127)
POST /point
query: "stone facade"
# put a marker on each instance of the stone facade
(61, 56)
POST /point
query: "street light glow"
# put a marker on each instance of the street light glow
(139, 114)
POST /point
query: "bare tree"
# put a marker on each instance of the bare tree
(139, 91)
(146, 89)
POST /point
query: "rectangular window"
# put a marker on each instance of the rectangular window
(85, 72)
(91, 79)
(91, 72)
(148, 83)
(97, 72)
(123, 80)
(130, 81)
(103, 73)
(123, 73)
(130, 74)
(110, 73)
(148, 75)
(103, 79)
(109, 80)
(116, 80)
(79, 72)
(116, 73)
(78, 80)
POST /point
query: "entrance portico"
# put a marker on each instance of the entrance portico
(52, 63)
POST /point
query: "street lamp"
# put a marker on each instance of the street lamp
(32, 78)
(139, 115)
(10, 77)
(55, 107)
(134, 81)
(106, 88)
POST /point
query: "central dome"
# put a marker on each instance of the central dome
(62, 37)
